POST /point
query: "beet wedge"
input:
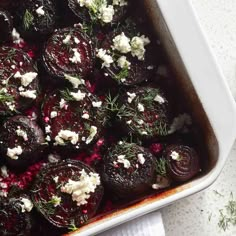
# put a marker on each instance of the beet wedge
(67, 194)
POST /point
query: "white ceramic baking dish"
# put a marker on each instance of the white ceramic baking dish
(206, 93)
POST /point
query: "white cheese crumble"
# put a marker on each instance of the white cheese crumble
(48, 138)
(175, 155)
(26, 205)
(137, 46)
(159, 99)
(107, 59)
(66, 135)
(86, 3)
(48, 129)
(56, 178)
(15, 152)
(67, 39)
(140, 122)
(13, 67)
(122, 62)
(121, 159)
(76, 57)
(141, 158)
(76, 40)
(40, 11)
(3, 185)
(122, 43)
(29, 94)
(85, 116)
(4, 172)
(16, 37)
(180, 123)
(26, 78)
(53, 114)
(53, 158)
(129, 122)
(106, 13)
(74, 80)
(97, 104)
(80, 190)
(79, 96)
(62, 103)
(93, 132)
(21, 133)
(120, 3)
(131, 97)
(55, 200)
(11, 105)
(141, 107)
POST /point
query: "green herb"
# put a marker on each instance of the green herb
(55, 201)
(88, 28)
(28, 19)
(127, 149)
(72, 227)
(5, 97)
(123, 74)
(66, 95)
(161, 167)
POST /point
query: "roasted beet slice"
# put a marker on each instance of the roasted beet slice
(128, 170)
(68, 52)
(21, 141)
(73, 118)
(15, 218)
(145, 112)
(100, 12)
(182, 162)
(36, 18)
(18, 82)
(6, 26)
(67, 193)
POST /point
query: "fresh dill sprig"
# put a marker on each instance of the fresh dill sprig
(126, 149)
(161, 167)
(28, 19)
(66, 95)
(72, 227)
(123, 74)
(5, 97)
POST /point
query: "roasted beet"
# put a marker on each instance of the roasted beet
(67, 194)
(15, 218)
(18, 82)
(128, 170)
(145, 112)
(21, 141)
(68, 52)
(72, 118)
(6, 26)
(182, 162)
(36, 18)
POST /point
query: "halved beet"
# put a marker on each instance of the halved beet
(21, 141)
(100, 12)
(15, 219)
(36, 18)
(68, 52)
(128, 170)
(182, 162)
(72, 123)
(6, 26)
(55, 203)
(18, 82)
(145, 112)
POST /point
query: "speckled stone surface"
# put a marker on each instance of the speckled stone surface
(198, 215)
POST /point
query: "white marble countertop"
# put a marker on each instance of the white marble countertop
(198, 215)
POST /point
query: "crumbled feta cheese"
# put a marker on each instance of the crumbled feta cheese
(53, 158)
(3, 185)
(97, 104)
(13, 67)
(159, 99)
(137, 46)
(40, 11)
(48, 129)
(4, 172)
(80, 190)
(79, 96)
(66, 135)
(53, 114)
(150, 67)
(122, 43)
(11, 106)
(26, 78)
(140, 122)
(21, 89)
(48, 138)
(144, 133)
(76, 40)
(175, 155)
(15, 152)
(129, 122)
(76, 57)
(21, 133)
(62, 103)
(141, 158)
(107, 59)
(26, 205)
(86, 3)
(56, 178)
(56, 200)
(29, 94)
(3, 194)
(106, 13)
(122, 62)
(180, 123)
(93, 132)
(85, 116)
(74, 80)
(131, 97)
(120, 3)
(121, 159)
(67, 39)
(141, 107)
(16, 37)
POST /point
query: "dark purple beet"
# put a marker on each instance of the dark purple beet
(59, 56)
(182, 162)
(14, 66)
(130, 179)
(14, 219)
(49, 183)
(6, 26)
(21, 131)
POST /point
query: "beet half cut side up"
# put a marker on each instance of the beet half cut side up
(18, 82)
(182, 162)
(6, 26)
(21, 132)
(128, 170)
(14, 220)
(68, 52)
(48, 184)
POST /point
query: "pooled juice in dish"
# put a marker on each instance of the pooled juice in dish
(91, 117)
